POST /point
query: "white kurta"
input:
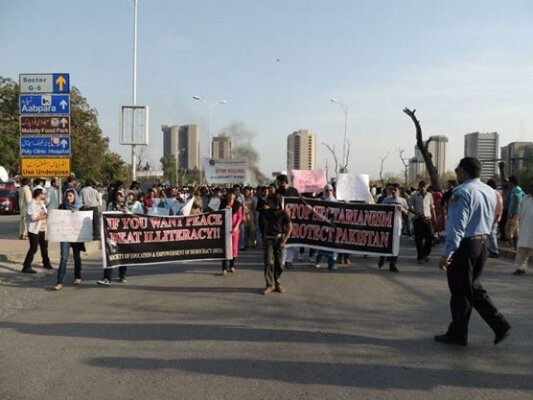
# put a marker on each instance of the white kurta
(525, 238)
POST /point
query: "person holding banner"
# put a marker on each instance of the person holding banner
(277, 230)
(397, 200)
(118, 204)
(72, 202)
(134, 205)
(330, 256)
(236, 208)
(36, 216)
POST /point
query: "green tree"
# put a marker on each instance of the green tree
(168, 164)
(91, 157)
(9, 125)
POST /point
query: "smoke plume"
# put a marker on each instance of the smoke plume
(241, 147)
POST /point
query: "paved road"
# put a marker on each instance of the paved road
(185, 332)
(9, 225)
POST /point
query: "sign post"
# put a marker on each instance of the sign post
(45, 145)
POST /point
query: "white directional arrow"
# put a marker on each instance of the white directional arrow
(63, 122)
(63, 104)
(64, 143)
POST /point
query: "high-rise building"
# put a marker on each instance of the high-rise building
(484, 146)
(221, 147)
(183, 141)
(301, 150)
(438, 149)
(517, 156)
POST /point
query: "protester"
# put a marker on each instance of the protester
(197, 202)
(401, 203)
(36, 217)
(494, 252)
(52, 198)
(134, 205)
(285, 190)
(421, 205)
(277, 230)
(72, 202)
(119, 204)
(91, 200)
(506, 197)
(470, 219)
(525, 239)
(329, 256)
(511, 226)
(25, 197)
(249, 218)
(236, 208)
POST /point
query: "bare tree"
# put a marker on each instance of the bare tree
(344, 165)
(382, 159)
(423, 147)
(405, 162)
(141, 158)
(332, 151)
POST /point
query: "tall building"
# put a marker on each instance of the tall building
(221, 147)
(301, 150)
(438, 149)
(185, 142)
(484, 146)
(517, 156)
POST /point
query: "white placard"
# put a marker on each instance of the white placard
(186, 209)
(214, 204)
(219, 171)
(353, 187)
(70, 226)
(158, 211)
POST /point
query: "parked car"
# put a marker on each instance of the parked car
(8, 204)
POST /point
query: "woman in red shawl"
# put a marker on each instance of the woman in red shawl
(231, 203)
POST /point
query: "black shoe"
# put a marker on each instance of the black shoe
(392, 267)
(519, 272)
(288, 265)
(28, 271)
(448, 340)
(500, 337)
(381, 262)
(48, 267)
(494, 255)
(419, 261)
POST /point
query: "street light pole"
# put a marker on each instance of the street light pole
(133, 162)
(345, 110)
(210, 108)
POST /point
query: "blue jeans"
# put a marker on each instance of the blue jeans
(493, 239)
(65, 249)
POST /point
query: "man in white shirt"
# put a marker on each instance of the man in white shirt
(421, 205)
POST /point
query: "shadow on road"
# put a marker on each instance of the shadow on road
(376, 376)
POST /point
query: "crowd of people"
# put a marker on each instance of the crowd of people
(423, 211)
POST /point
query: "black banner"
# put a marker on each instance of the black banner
(344, 227)
(129, 239)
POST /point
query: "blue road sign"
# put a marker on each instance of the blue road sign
(45, 146)
(44, 104)
(61, 83)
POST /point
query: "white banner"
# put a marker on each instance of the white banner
(225, 171)
(353, 187)
(70, 226)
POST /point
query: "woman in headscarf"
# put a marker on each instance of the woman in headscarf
(72, 202)
(134, 205)
(232, 204)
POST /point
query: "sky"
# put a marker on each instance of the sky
(465, 66)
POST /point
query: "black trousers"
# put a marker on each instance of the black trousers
(225, 264)
(273, 259)
(108, 272)
(37, 241)
(464, 274)
(423, 237)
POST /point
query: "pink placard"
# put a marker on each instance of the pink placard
(308, 181)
